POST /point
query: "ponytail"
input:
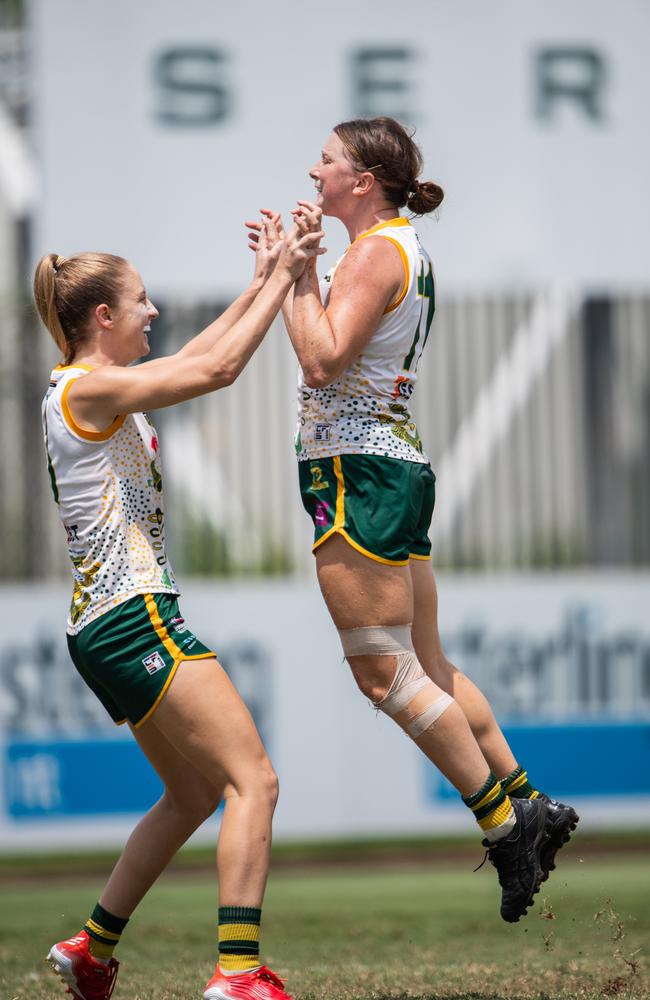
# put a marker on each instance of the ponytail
(45, 299)
(424, 197)
(68, 289)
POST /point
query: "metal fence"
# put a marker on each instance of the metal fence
(534, 410)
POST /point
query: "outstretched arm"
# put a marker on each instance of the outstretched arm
(266, 257)
(271, 222)
(97, 397)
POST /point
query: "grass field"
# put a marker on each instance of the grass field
(401, 931)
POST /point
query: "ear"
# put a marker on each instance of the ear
(104, 317)
(365, 183)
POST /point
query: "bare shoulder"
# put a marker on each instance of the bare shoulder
(99, 381)
(372, 259)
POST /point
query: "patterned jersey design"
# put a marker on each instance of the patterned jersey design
(110, 494)
(366, 410)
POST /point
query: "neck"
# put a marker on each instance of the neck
(98, 350)
(95, 358)
(360, 221)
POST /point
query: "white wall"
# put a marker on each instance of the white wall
(161, 127)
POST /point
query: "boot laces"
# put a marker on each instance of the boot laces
(271, 977)
(485, 857)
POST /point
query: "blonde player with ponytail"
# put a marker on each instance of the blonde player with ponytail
(125, 632)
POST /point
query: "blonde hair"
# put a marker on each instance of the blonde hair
(68, 289)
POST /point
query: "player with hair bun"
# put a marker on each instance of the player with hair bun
(368, 486)
(125, 632)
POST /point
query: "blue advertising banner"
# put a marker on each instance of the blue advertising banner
(564, 661)
(574, 761)
(83, 777)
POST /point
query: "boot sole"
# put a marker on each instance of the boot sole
(556, 841)
(61, 966)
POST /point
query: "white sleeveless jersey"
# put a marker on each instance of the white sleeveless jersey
(108, 487)
(365, 411)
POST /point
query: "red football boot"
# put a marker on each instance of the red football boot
(261, 984)
(86, 977)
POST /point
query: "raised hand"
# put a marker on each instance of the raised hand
(266, 238)
(307, 216)
(300, 249)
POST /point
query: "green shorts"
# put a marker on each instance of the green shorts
(381, 506)
(129, 655)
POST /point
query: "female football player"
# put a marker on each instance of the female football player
(368, 486)
(125, 631)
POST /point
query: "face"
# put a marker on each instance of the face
(132, 318)
(334, 176)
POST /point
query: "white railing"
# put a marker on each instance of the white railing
(507, 403)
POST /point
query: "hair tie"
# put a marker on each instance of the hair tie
(58, 263)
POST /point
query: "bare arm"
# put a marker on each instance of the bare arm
(274, 232)
(96, 398)
(266, 256)
(327, 340)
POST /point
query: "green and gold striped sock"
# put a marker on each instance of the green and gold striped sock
(104, 930)
(517, 785)
(239, 938)
(492, 809)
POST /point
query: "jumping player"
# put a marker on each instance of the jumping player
(369, 488)
(125, 631)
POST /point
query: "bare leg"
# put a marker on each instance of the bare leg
(188, 800)
(203, 743)
(359, 592)
(426, 641)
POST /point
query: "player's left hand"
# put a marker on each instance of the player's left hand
(266, 237)
(308, 217)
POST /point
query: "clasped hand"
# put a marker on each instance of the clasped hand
(292, 250)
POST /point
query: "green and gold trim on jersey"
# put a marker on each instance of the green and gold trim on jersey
(426, 292)
(85, 432)
(378, 231)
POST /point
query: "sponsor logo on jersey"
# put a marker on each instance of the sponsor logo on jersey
(322, 432)
(72, 531)
(179, 625)
(154, 662)
(403, 387)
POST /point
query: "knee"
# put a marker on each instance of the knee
(373, 675)
(194, 802)
(443, 673)
(259, 784)
(269, 786)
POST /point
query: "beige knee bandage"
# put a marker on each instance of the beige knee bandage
(411, 699)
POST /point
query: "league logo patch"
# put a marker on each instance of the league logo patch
(154, 662)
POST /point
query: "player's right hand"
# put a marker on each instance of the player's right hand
(299, 250)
